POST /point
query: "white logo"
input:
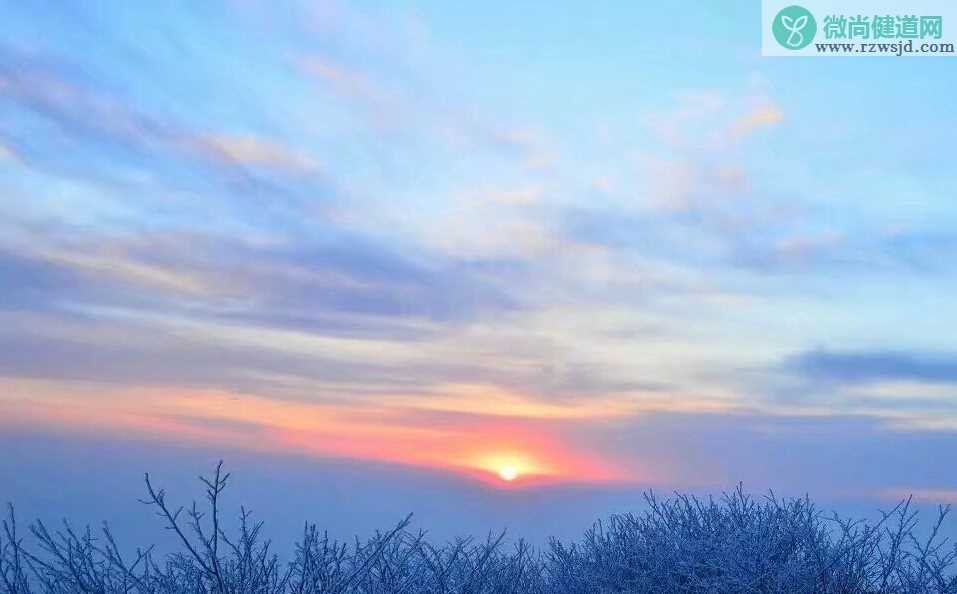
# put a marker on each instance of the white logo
(794, 27)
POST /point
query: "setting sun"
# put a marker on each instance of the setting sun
(508, 472)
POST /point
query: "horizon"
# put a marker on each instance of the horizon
(481, 257)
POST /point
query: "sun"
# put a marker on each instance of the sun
(508, 472)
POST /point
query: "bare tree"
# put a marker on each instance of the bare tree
(733, 544)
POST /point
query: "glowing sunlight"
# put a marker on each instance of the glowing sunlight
(508, 472)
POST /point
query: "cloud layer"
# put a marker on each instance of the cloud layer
(333, 231)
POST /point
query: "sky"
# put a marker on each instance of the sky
(483, 258)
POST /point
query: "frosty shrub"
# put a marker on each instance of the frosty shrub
(736, 544)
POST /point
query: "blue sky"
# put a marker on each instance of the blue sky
(608, 247)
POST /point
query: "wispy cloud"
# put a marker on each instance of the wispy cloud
(7, 153)
(923, 495)
(348, 84)
(251, 150)
(352, 230)
(875, 366)
(761, 116)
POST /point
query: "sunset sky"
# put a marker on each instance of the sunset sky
(588, 249)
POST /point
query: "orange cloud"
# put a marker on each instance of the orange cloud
(493, 401)
(761, 117)
(479, 447)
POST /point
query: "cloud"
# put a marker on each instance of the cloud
(688, 118)
(906, 391)
(65, 97)
(792, 251)
(929, 250)
(534, 148)
(522, 197)
(570, 291)
(127, 270)
(363, 430)
(698, 168)
(494, 401)
(762, 116)
(7, 153)
(119, 144)
(248, 149)
(348, 84)
(91, 270)
(874, 366)
(278, 282)
(790, 453)
(922, 495)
